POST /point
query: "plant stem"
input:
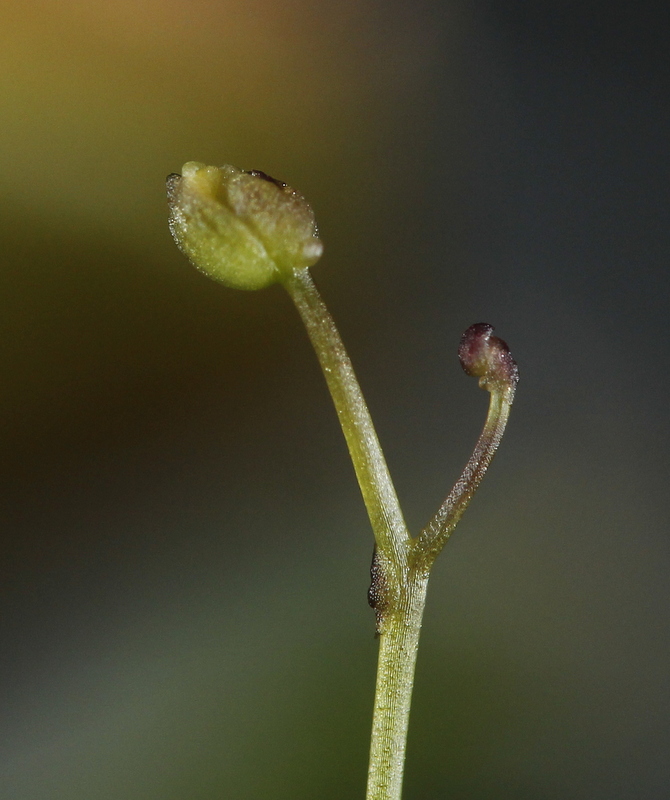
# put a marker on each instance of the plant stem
(398, 647)
(401, 565)
(249, 230)
(434, 536)
(388, 524)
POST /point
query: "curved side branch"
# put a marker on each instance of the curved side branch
(488, 358)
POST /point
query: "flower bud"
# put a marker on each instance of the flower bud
(244, 229)
(487, 357)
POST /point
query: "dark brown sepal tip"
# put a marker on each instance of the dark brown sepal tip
(487, 357)
(256, 173)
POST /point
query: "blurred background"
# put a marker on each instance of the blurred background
(185, 552)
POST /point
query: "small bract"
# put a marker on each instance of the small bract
(244, 229)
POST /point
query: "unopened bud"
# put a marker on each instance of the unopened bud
(487, 358)
(244, 229)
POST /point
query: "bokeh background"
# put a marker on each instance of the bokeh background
(185, 552)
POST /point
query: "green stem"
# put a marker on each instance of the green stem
(434, 536)
(398, 647)
(388, 524)
(401, 565)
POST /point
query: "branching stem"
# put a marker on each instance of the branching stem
(249, 230)
(402, 565)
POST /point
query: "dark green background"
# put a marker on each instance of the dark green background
(184, 549)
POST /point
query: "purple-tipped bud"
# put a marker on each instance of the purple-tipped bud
(487, 357)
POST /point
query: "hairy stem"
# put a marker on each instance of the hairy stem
(401, 565)
(388, 525)
(398, 647)
(434, 536)
(249, 230)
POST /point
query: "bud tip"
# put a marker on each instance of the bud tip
(487, 357)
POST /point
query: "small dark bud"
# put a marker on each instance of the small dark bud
(487, 357)
(378, 592)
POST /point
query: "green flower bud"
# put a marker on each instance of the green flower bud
(244, 229)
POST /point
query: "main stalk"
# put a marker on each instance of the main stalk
(398, 646)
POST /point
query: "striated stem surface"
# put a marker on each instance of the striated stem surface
(398, 646)
(401, 565)
(388, 524)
